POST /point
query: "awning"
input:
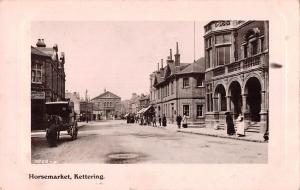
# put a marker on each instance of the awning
(147, 108)
(141, 111)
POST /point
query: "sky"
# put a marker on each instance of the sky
(117, 56)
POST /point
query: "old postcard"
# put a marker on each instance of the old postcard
(150, 95)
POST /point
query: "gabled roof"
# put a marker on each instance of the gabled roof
(197, 67)
(184, 68)
(36, 51)
(106, 95)
(46, 50)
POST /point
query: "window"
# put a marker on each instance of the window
(186, 82)
(199, 110)
(245, 51)
(262, 44)
(172, 88)
(223, 55)
(221, 39)
(200, 81)
(36, 73)
(254, 47)
(208, 42)
(209, 58)
(186, 110)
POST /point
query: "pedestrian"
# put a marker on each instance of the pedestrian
(154, 121)
(164, 121)
(184, 121)
(240, 126)
(159, 120)
(229, 124)
(178, 120)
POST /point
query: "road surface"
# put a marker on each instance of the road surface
(117, 142)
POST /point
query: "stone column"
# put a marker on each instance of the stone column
(219, 102)
(215, 103)
(228, 107)
(244, 99)
(263, 112)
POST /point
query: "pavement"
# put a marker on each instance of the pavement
(249, 136)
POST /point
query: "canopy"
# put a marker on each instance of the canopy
(144, 110)
(141, 111)
(57, 108)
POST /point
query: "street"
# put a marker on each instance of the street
(118, 142)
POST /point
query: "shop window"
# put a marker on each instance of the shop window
(186, 110)
(199, 110)
(36, 73)
(186, 82)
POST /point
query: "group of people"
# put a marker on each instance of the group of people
(180, 119)
(240, 125)
(147, 120)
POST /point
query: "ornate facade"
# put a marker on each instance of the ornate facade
(237, 72)
(178, 88)
(108, 105)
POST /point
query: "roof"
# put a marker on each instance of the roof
(184, 68)
(36, 51)
(46, 50)
(197, 67)
(106, 95)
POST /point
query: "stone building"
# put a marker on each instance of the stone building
(237, 72)
(144, 101)
(178, 88)
(134, 103)
(108, 105)
(47, 80)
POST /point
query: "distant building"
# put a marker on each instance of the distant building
(125, 106)
(86, 111)
(108, 105)
(47, 80)
(178, 88)
(75, 98)
(144, 101)
(237, 72)
(134, 103)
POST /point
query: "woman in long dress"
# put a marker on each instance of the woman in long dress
(240, 126)
(229, 123)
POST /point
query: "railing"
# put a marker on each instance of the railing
(236, 66)
(252, 61)
(219, 71)
(240, 65)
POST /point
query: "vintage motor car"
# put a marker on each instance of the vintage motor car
(61, 118)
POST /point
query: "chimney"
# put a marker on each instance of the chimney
(157, 66)
(40, 43)
(104, 89)
(177, 56)
(55, 48)
(161, 64)
(170, 60)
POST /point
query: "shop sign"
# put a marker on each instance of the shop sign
(37, 95)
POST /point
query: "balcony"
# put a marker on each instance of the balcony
(241, 65)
